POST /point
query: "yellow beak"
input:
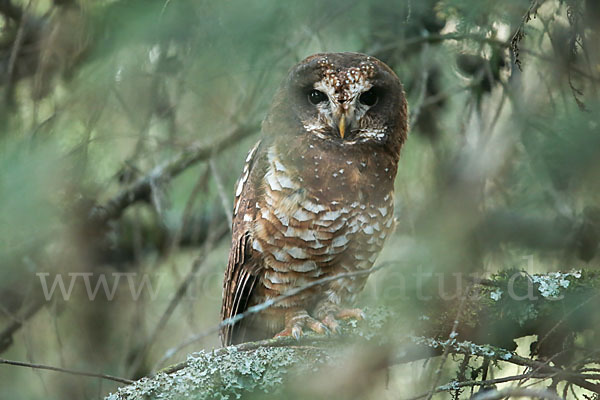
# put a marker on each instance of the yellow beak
(342, 125)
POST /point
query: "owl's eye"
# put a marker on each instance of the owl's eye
(316, 97)
(368, 98)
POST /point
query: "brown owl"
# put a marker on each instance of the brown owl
(316, 196)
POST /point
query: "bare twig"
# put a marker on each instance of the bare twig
(517, 392)
(66, 371)
(14, 54)
(454, 385)
(227, 207)
(214, 235)
(510, 357)
(453, 334)
(142, 188)
(263, 306)
(6, 334)
(520, 32)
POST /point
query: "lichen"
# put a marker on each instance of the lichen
(549, 284)
(230, 373)
(496, 294)
(464, 347)
(224, 376)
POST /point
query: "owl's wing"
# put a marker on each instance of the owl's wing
(243, 269)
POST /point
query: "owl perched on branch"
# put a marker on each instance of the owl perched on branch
(316, 196)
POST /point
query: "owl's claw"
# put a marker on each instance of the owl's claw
(351, 313)
(331, 322)
(296, 321)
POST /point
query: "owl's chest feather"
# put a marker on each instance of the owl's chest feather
(305, 230)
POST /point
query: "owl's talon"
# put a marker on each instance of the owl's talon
(332, 324)
(296, 332)
(298, 320)
(351, 313)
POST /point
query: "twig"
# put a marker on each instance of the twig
(187, 211)
(6, 334)
(214, 235)
(227, 207)
(453, 334)
(563, 320)
(14, 54)
(416, 111)
(263, 306)
(518, 392)
(520, 32)
(453, 385)
(67, 371)
(142, 188)
(510, 357)
(281, 341)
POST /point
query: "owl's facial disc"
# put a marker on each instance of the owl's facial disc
(341, 98)
(342, 109)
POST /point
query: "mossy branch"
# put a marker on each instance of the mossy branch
(270, 366)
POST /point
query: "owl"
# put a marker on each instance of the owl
(315, 197)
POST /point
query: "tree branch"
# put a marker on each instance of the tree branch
(65, 370)
(142, 188)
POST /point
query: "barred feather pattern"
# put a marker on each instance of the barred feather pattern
(302, 233)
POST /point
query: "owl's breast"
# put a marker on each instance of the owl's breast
(304, 231)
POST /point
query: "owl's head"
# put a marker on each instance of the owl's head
(345, 98)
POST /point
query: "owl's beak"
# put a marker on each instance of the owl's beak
(343, 116)
(342, 125)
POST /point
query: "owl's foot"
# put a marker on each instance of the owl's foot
(296, 320)
(331, 320)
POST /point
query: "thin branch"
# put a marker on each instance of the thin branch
(142, 188)
(7, 333)
(510, 357)
(66, 371)
(227, 207)
(263, 306)
(14, 54)
(517, 392)
(214, 235)
(453, 334)
(454, 385)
